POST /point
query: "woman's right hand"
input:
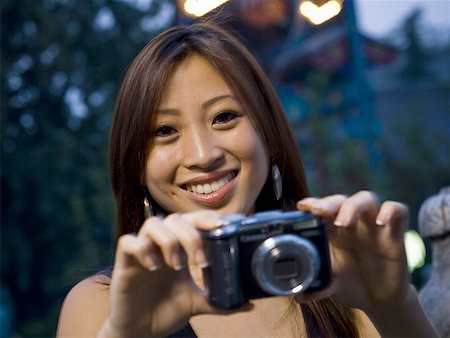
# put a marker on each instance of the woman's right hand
(152, 292)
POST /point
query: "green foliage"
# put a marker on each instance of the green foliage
(336, 162)
(61, 64)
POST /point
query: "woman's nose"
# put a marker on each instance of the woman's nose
(201, 150)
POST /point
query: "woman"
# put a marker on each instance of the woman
(199, 132)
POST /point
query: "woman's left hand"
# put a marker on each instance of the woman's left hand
(366, 248)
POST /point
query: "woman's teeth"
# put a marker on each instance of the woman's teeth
(210, 187)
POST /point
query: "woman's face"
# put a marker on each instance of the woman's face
(205, 153)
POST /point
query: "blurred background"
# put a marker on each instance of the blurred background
(365, 85)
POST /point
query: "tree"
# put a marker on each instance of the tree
(61, 64)
(415, 52)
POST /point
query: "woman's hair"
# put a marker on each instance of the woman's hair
(139, 98)
(140, 95)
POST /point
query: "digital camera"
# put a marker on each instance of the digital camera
(270, 253)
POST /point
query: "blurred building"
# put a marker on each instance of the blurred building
(354, 77)
(423, 99)
(329, 58)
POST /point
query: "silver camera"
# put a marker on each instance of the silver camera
(270, 253)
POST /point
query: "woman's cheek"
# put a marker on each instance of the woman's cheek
(161, 164)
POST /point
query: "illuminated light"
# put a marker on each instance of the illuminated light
(297, 289)
(264, 13)
(199, 8)
(319, 14)
(415, 250)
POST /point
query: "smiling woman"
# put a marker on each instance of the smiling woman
(210, 121)
(198, 134)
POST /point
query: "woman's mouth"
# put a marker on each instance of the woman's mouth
(208, 188)
(213, 194)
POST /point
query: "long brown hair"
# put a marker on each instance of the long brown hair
(139, 98)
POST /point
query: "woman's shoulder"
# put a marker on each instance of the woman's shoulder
(365, 326)
(85, 307)
(96, 285)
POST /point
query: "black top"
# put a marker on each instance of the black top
(185, 332)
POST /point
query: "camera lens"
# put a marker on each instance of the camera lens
(285, 268)
(286, 264)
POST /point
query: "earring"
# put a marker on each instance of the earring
(148, 208)
(277, 182)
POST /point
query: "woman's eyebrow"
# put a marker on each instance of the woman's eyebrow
(214, 99)
(167, 111)
(205, 105)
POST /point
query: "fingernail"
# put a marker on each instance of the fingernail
(200, 259)
(381, 219)
(154, 268)
(342, 221)
(380, 222)
(338, 223)
(205, 265)
(151, 262)
(177, 264)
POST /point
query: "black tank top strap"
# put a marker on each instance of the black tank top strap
(185, 332)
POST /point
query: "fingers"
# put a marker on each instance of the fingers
(204, 220)
(163, 240)
(363, 204)
(188, 239)
(395, 215)
(173, 241)
(132, 249)
(344, 211)
(366, 221)
(325, 207)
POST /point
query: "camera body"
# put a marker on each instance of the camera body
(270, 253)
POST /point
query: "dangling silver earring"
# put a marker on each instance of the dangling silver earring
(277, 182)
(148, 208)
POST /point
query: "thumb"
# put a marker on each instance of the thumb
(203, 219)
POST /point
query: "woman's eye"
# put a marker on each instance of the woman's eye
(164, 131)
(224, 117)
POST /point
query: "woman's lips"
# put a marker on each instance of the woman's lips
(209, 187)
(213, 194)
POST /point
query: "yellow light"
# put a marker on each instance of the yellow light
(201, 7)
(319, 14)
